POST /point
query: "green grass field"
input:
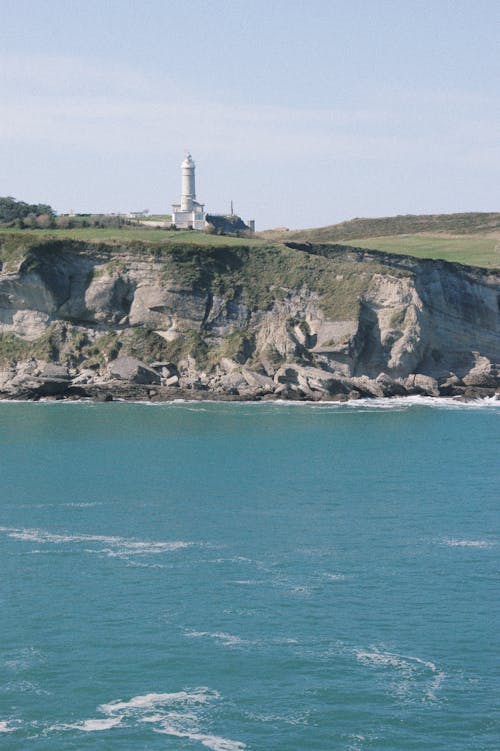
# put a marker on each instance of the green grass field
(472, 250)
(143, 234)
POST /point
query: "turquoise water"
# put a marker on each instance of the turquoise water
(262, 577)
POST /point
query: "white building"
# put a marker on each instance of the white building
(188, 213)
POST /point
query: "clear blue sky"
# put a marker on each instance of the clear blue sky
(303, 113)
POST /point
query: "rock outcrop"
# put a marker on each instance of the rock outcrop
(297, 321)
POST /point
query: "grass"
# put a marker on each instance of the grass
(469, 223)
(471, 238)
(14, 247)
(140, 233)
(472, 250)
(259, 276)
(156, 218)
(14, 348)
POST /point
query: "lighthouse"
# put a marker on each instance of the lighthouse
(188, 213)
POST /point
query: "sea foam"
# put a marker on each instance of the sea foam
(115, 547)
(5, 727)
(90, 726)
(152, 701)
(414, 672)
(215, 742)
(454, 543)
(176, 714)
(227, 640)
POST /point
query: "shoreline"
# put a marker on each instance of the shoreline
(54, 383)
(379, 402)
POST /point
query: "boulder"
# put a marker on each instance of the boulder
(135, 371)
(452, 385)
(483, 374)
(52, 370)
(35, 387)
(309, 379)
(477, 392)
(366, 386)
(389, 386)
(86, 375)
(257, 380)
(416, 383)
(166, 369)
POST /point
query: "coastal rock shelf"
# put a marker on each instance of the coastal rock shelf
(288, 321)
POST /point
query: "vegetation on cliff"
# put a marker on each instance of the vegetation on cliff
(470, 238)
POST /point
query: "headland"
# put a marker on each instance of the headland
(206, 317)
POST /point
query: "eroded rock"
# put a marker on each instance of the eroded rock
(133, 370)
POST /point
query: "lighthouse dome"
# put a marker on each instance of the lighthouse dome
(188, 161)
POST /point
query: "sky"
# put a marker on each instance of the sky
(302, 113)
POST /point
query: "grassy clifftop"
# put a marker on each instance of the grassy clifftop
(470, 223)
(472, 238)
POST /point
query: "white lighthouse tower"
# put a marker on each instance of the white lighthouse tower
(188, 213)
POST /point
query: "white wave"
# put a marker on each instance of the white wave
(231, 640)
(5, 727)
(90, 726)
(137, 564)
(334, 577)
(228, 640)
(284, 640)
(81, 505)
(117, 547)
(300, 589)
(166, 713)
(398, 403)
(410, 669)
(381, 658)
(215, 742)
(176, 713)
(355, 741)
(23, 659)
(24, 687)
(298, 719)
(153, 701)
(454, 543)
(365, 404)
(248, 582)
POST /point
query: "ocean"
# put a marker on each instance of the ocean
(260, 577)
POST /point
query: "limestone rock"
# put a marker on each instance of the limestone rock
(390, 386)
(51, 370)
(309, 379)
(450, 385)
(386, 325)
(257, 380)
(482, 374)
(130, 369)
(416, 383)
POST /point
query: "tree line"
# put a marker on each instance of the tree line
(24, 215)
(17, 213)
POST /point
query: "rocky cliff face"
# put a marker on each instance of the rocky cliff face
(295, 321)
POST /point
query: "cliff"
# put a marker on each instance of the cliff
(161, 321)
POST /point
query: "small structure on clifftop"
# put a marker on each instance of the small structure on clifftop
(188, 213)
